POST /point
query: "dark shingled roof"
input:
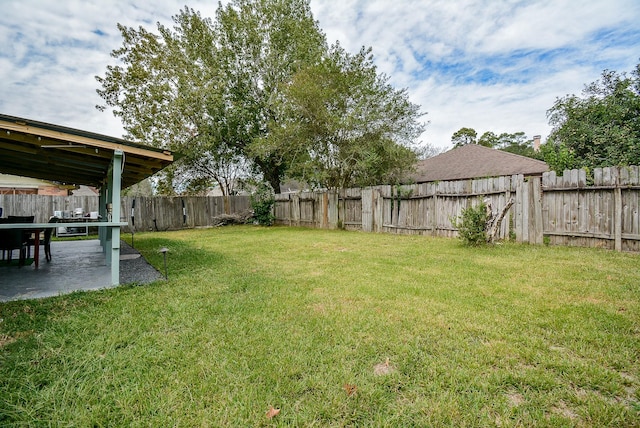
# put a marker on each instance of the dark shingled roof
(474, 161)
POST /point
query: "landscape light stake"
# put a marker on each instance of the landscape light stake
(164, 251)
(133, 220)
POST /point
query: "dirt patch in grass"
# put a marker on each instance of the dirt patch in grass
(515, 398)
(6, 339)
(565, 411)
(383, 368)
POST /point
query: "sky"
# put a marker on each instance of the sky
(490, 65)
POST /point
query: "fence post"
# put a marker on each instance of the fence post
(295, 209)
(376, 206)
(333, 209)
(617, 215)
(434, 209)
(617, 198)
(325, 210)
(535, 206)
(366, 198)
(522, 208)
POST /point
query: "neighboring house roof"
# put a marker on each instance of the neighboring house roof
(7, 180)
(83, 190)
(12, 184)
(475, 161)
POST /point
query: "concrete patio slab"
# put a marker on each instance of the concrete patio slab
(75, 266)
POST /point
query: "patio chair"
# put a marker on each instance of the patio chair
(22, 219)
(13, 239)
(3, 220)
(46, 241)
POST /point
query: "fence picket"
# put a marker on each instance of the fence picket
(565, 209)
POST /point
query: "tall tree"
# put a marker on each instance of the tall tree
(169, 92)
(489, 139)
(346, 125)
(601, 128)
(263, 43)
(464, 136)
(516, 142)
(207, 89)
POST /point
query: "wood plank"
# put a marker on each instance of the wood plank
(536, 198)
(598, 177)
(627, 225)
(367, 210)
(634, 175)
(617, 195)
(582, 178)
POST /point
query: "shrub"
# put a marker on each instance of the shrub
(262, 201)
(471, 225)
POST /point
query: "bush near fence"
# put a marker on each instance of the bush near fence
(561, 210)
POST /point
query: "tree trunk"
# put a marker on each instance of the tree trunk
(227, 205)
(494, 220)
(271, 171)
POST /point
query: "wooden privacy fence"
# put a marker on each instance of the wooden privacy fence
(150, 213)
(426, 209)
(562, 210)
(603, 213)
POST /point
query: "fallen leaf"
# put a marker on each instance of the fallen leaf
(271, 413)
(350, 389)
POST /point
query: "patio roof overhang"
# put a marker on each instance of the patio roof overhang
(71, 156)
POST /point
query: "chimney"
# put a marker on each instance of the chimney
(536, 143)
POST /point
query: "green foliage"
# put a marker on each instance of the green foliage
(262, 201)
(464, 136)
(558, 156)
(489, 139)
(516, 143)
(471, 225)
(143, 188)
(258, 91)
(522, 149)
(262, 45)
(600, 128)
(345, 124)
(206, 89)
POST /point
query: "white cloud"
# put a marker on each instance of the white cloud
(491, 65)
(533, 52)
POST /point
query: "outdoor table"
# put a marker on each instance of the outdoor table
(39, 227)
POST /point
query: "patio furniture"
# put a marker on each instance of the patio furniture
(23, 219)
(13, 239)
(46, 242)
(3, 220)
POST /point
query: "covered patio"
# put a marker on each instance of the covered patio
(70, 156)
(77, 265)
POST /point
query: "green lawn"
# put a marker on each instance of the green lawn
(306, 321)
